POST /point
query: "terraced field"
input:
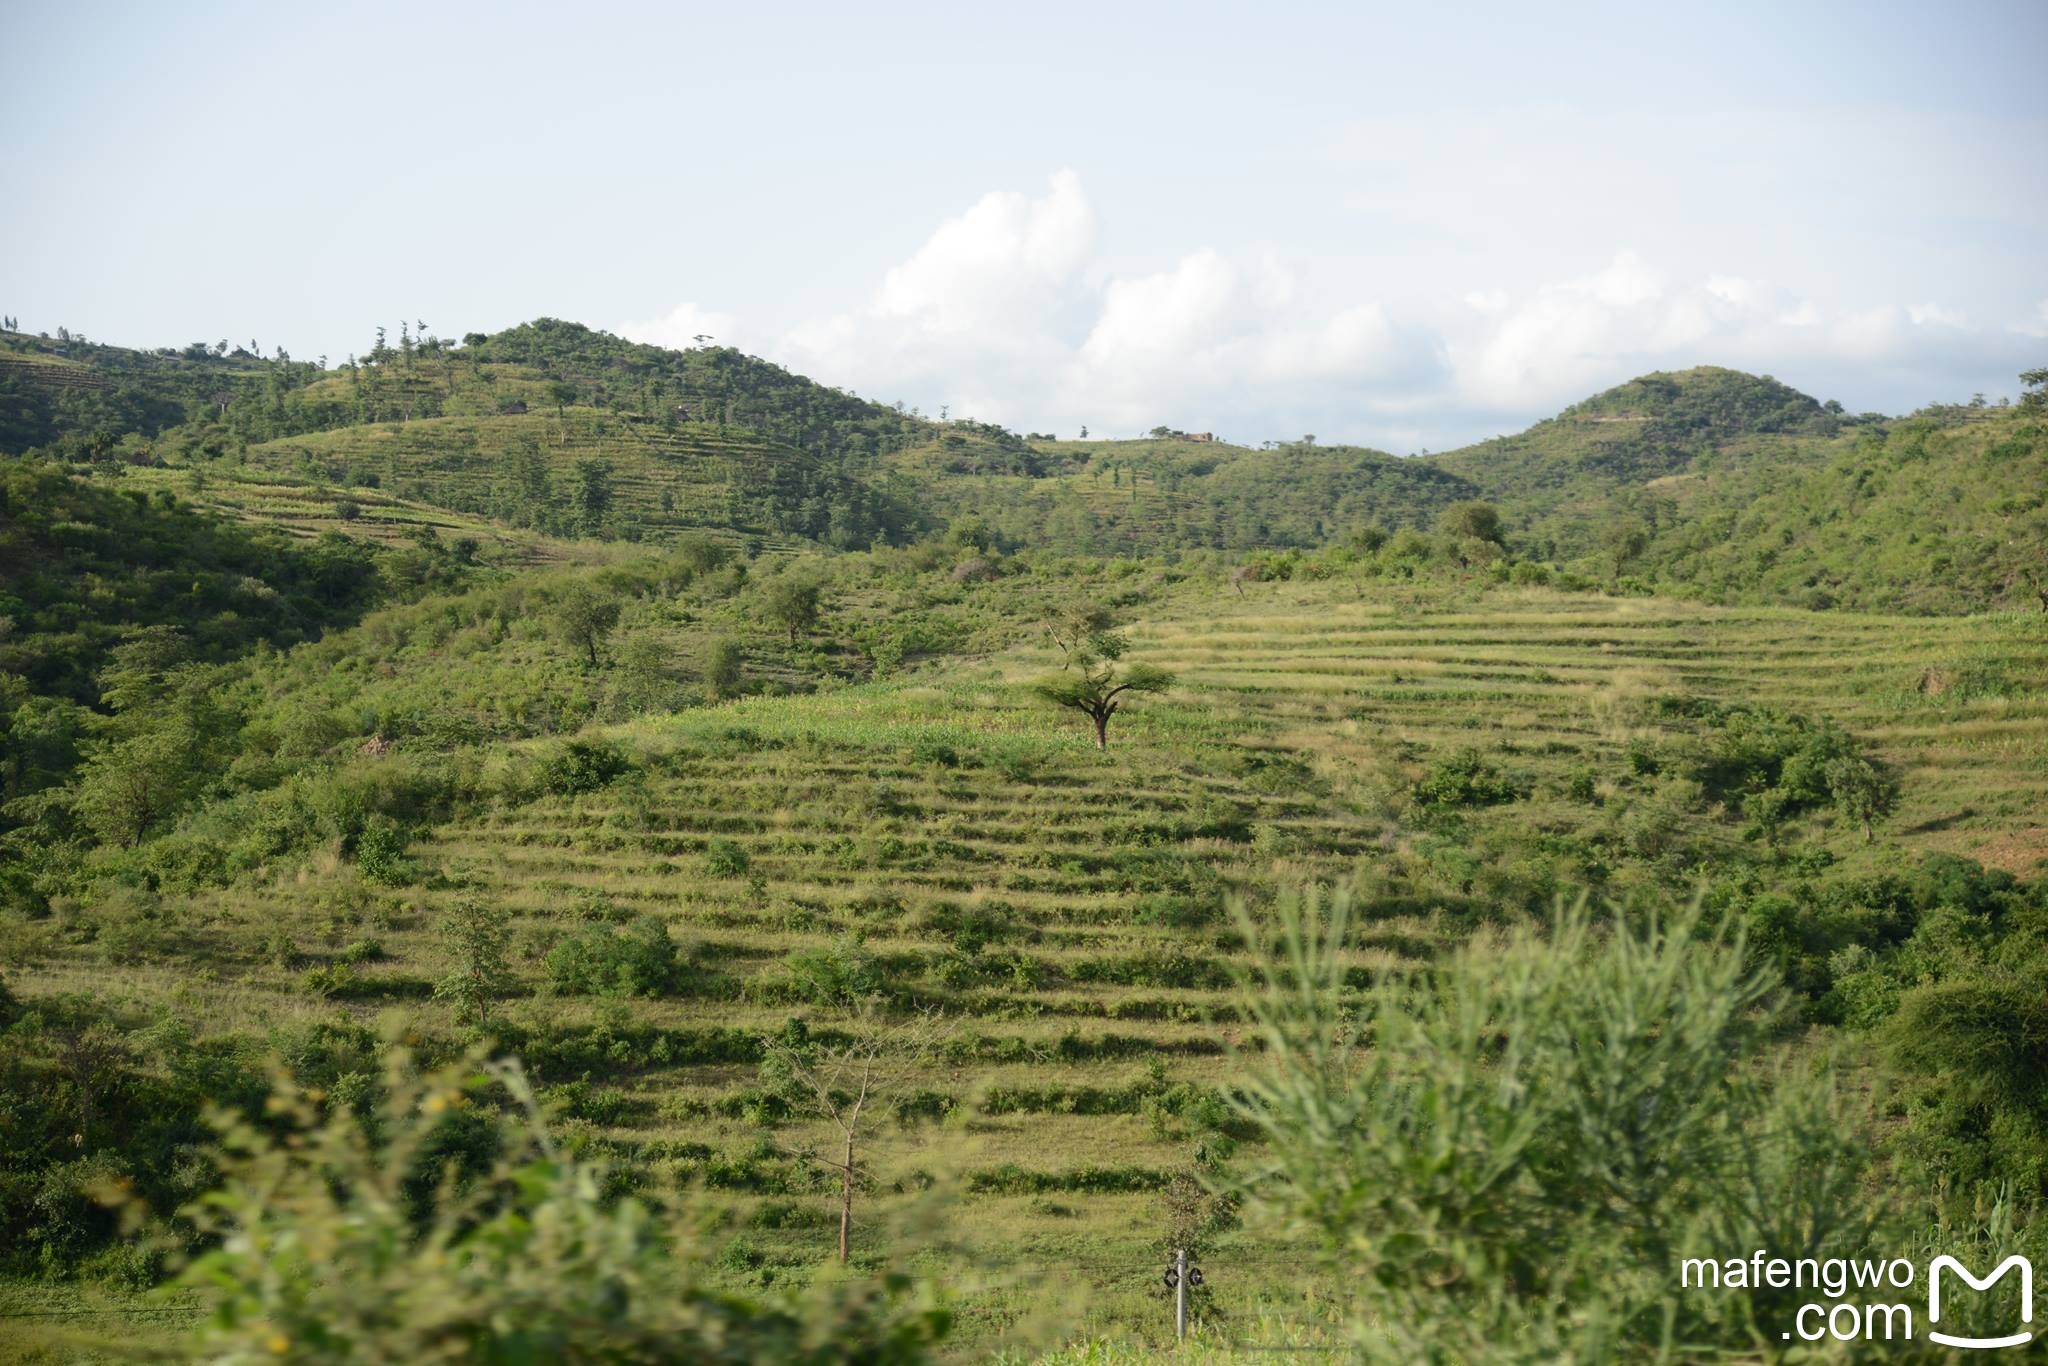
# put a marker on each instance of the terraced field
(693, 475)
(308, 508)
(956, 846)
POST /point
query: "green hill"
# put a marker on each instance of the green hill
(1747, 490)
(1140, 497)
(1556, 478)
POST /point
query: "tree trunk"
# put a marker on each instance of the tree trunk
(846, 1204)
(1102, 732)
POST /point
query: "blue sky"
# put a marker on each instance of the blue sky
(1407, 226)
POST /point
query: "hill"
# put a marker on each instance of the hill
(1556, 478)
(681, 879)
(1746, 490)
(1146, 496)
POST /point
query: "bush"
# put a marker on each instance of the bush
(530, 1261)
(1531, 1159)
(581, 767)
(1465, 779)
(834, 974)
(725, 858)
(380, 853)
(637, 960)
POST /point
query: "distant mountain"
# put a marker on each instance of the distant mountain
(1554, 478)
(1741, 486)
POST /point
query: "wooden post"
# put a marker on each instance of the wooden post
(1180, 1293)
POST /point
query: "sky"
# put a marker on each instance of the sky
(1406, 226)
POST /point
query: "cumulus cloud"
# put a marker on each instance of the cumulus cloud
(680, 328)
(1000, 263)
(1007, 312)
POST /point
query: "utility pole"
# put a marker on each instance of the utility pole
(1180, 1293)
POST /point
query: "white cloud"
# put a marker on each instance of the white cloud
(1008, 313)
(681, 327)
(997, 261)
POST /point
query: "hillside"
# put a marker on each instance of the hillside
(1745, 490)
(1945, 512)
(680, 879)
(1556, 478)
(1145, 496)
(664, 721)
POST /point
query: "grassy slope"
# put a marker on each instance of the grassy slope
(714, 479)
(1755, 493)
(1134, 497)
(890, 808)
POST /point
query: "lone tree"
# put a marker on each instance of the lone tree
(1864, 789)
(1096, 686)
(475, 935)
(1472, 520)
(1623, 539)
(584, 618)
(795, 603)
(842, 1084)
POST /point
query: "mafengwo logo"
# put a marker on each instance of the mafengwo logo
(1853, 1311)
(2012, 1263)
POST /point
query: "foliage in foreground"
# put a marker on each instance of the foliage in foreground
(330, 1250)
(1506, 1160)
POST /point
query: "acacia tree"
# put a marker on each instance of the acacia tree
(584, 618)
(1624, 539)
(794, 602)
(842, 1083)
(1097, 686)
(1865, 790)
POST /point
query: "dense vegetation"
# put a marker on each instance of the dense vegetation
(992, 861)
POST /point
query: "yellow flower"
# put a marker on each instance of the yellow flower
(279, 1344)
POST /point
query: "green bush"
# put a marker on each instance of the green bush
(581, 766)
(725, 858)
(838, 973)
(1465, 779)
(638, 959)
(532, 1260)
(380, 853)
(1530, 1156)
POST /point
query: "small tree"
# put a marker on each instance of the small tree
(2035, 386)
(794, 603)
(593, 494)
(842, 1083)
(1097, 687)
(1622, 540)
(1864, 789)
(1471, 520)
(475, 935)
(722, 677)
(584, 618)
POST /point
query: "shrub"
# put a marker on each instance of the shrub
(1465, 779)
(580, 766)
(833, 974)
(1530, 1158)
(530, 1261)
(637, 960)
(380, 853)
(725, 858)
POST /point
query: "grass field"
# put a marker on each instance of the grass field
(968, 850)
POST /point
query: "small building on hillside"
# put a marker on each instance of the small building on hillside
(1203, 437)
(685, 413)
(516, 408)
